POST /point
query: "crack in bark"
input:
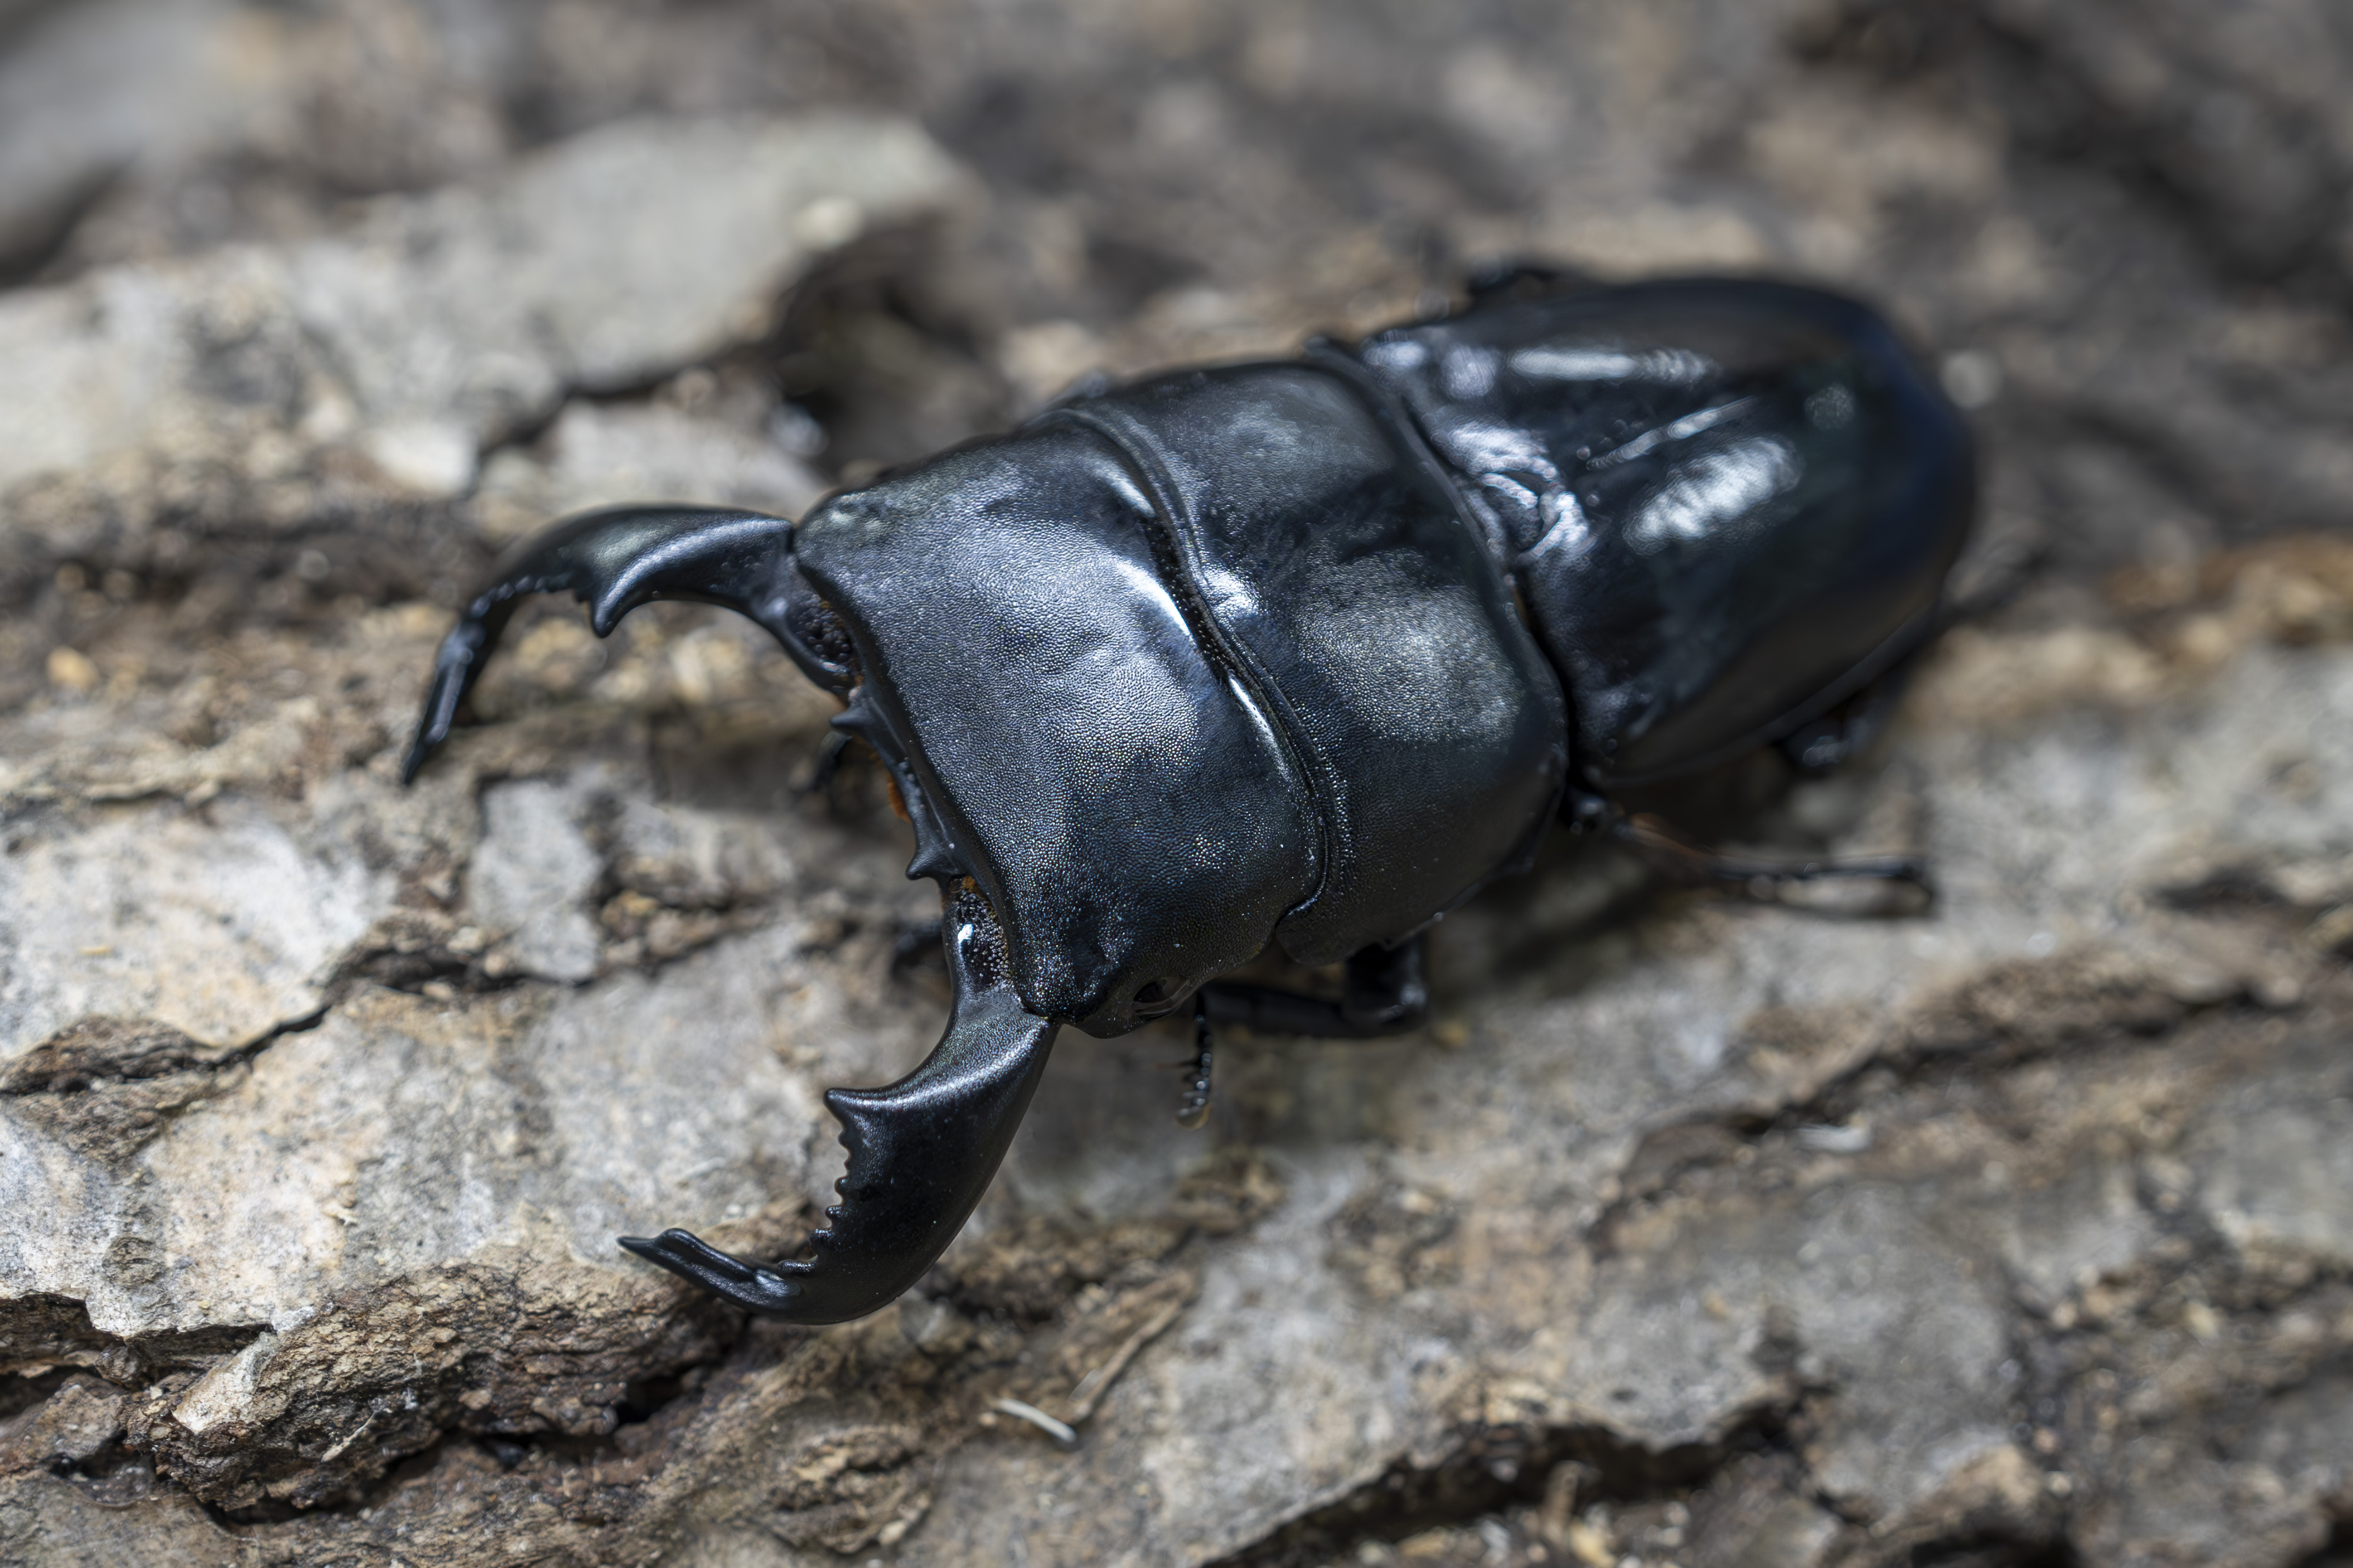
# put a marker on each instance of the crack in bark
(569, 1378)
(2010, 1015)
(43, 1328)
(107, 1087)
(1487, 1468)
(382, 1374)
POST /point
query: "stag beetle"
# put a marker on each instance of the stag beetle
(1303, 653)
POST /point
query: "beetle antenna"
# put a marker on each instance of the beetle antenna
(1193, 1106)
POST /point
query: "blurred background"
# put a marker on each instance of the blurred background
(1690, 1234)
(2124, 228)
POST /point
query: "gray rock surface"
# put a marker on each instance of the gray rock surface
(378, 363)
(1694, 1230)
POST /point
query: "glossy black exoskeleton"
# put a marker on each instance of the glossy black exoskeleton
(1303, 653)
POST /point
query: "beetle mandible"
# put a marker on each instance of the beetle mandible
(1303, 653)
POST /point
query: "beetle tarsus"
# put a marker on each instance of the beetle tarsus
(1193, 1106)
(1692, 862)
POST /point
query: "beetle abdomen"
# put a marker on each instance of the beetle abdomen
(1730, 503)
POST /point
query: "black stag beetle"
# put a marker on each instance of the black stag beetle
(1299, 652)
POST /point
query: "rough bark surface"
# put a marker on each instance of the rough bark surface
(1694, 1230)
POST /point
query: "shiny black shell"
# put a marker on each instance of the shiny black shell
(1727, 503)
(1191, 665)
(1296, 652)
(1302, 652)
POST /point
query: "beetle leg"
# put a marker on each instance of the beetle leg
(911, 945)
(1193, 1106)
(1821, 744)
(1510, 280)
(1383, 988)
(828, 763)
(613, 561)
(1694, 863)
(922, 1151)
(1382, 993)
